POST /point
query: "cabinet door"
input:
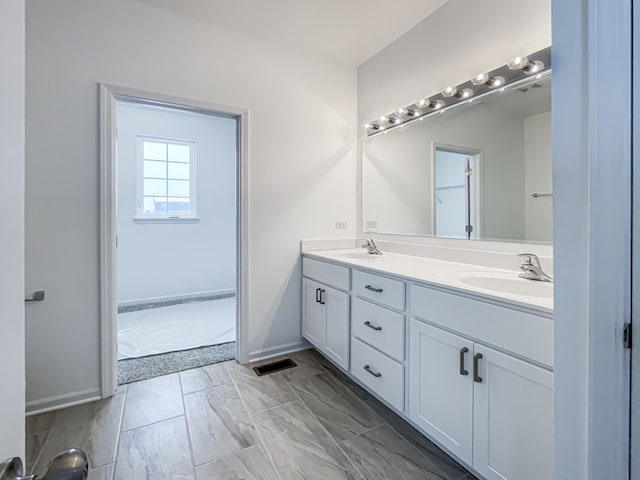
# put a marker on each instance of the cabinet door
(314, 325)
(441, 387)
(337, 333)
(513, 419)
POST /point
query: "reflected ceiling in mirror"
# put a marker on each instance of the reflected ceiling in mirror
(481, 170)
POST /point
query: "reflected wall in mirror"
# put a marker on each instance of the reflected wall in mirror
(481, 170)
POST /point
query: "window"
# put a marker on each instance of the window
(166, 179)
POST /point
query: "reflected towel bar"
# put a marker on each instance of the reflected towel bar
(537, 195)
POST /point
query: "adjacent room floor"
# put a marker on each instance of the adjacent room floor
(222, 422)
(151, 331)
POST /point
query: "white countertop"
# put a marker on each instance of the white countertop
(504, 286)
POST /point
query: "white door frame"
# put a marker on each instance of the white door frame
(476, 159)
(591, 121)
(109, 95)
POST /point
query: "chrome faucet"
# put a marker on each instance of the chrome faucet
(371, 247)
(531, 268)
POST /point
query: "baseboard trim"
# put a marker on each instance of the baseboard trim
(267, 353)
(57, 402)
(154, 302)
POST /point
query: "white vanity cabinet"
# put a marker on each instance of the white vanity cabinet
(325, 319)
(441, 387)
(492, 410)
(495, 408)
(472, 373)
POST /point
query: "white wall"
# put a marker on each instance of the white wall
(164, 260)
(458, 40)
(538, 178)
(12, 370)
(302, 164)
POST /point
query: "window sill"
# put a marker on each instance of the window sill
(144, 220)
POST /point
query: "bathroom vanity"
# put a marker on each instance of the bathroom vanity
(462, 352)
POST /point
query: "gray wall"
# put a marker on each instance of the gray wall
(164, 260)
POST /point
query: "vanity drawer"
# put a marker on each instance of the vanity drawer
(379, 327)
(382, 375)
(524, 334)
(327, 273)
(383, 290)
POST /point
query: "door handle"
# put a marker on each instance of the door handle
(322, 292)
(37, 296)
(375, 374)
(373, 327)
(317, 295)
(463, 352)
(373, 289)
(476, 359)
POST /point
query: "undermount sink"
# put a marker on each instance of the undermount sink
(509, 283)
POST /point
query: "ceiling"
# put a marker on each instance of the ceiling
(346, 31)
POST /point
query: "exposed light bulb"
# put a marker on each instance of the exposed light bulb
(401, 111)
(438, 104)
(480, 79)
(496, 82)
(534, 67)
(518, 62)
(450, 91)
(383, 119)
(464, 93)
(422, 103)
(367, 126)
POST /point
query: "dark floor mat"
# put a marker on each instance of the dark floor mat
(136, 369)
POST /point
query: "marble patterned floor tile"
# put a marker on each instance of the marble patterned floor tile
(260, 393)
(451, 469)
(41, 423)
(102, 473)
(204, 378)
(218, 423)
(156, 452)
(300, 447)
(341, 412)
(93, 427)
(382, 454)
(151, 401)
(249, 464)
(306, 366)
(34, 444)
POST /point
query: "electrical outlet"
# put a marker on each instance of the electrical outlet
(372, 224)
(341, 224)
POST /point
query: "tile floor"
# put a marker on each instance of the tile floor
(221, 422)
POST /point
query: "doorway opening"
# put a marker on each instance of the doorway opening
(456, 192)
(173, 242)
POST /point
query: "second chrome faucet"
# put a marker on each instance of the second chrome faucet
(532, 269)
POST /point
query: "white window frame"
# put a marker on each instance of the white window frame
(141, 217)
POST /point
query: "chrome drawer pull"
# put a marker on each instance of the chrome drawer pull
(373, 289)
(375, 374)
(374, 327)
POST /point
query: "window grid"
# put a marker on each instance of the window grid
(176, 196)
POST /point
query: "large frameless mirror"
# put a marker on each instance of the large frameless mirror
(480, 170)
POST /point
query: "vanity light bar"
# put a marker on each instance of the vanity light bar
(518, 69)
